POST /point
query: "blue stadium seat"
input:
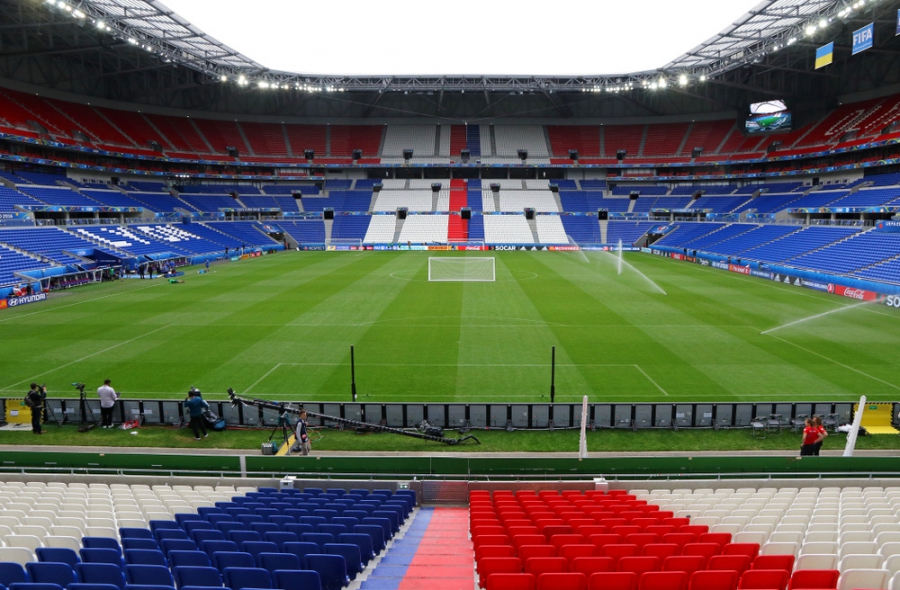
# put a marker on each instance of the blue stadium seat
(196, 576)
(58, 554)
(80, 586)
(51, 572)
(279, 561)
(169, 545)
(145, 557)
(34, 586)
(157, 575)
(254, 548)
(238, 578)
(223, 559)
(375, 532)
(210, 547)
(297, 580)
(146, 587)
(156, 525)
(264, 527)
(189, 559)
(384, 523)
(101, 573)
(166, 534)
(184, 517)
(351, 555)
(101, 555)
(333, 529)
(101, 543)
(12, 573)
(299, 528)
(130, 543)
(301, 550)
(241, 536)
(332, 570)
(363, 542)
(135, 533)
(229, 525)
(190, 526)
(200, 535)
(392, 516)
(280, 538)
(318, 538)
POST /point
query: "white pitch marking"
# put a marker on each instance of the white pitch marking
(840, 364)
(257, 382)
(650, 379)
(25, 315)
(90, 355)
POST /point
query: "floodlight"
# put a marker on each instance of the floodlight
(682, 80)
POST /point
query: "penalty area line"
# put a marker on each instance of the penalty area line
(815, 317)
(258, 381)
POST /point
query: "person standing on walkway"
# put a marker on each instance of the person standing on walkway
(196, 405)
(108, 397)
(817, 423)
(302, 434)
(35, 401)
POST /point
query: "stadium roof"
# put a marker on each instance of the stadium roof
(768, 27)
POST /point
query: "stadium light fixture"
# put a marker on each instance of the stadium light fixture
(703, 78)
(810, 30)
(682, 80)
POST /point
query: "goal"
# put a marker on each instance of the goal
(460, 269)
(344, 244)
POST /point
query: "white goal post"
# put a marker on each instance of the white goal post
(445, 268)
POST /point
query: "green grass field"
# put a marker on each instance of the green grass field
(280, 327)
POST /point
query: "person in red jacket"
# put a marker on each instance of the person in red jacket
(811, 437)
(817, 422)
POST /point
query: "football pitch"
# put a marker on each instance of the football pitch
(280, 327)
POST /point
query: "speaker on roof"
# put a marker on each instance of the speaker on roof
(436, 187)
(620, 154)
(633, 195)
(602, 214)
(465, 213)
(696, 152)
(495, 187)
(357, 154)
(573, 155)
(529, 213)
(464, 155)
(232, 152)
(309, 154)
(401, 212)
(328, 213)
(523, 155)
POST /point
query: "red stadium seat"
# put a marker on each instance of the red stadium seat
(483, 530)
(570, 552)
(613, 581)
(803, 579)
(704, 549)
(713, 580)
(663, 581)
(641, 539)
(738, 563)
(587, 530)
(569, 539)
(765, 579)
(562, 581)
(684, 563)
(542, 565)
(721, 539)
(483, 551)
(638, 565)
(661, 550)
(680, 539)
(590, 565)
(552, 530)
(490, 540)
(618, 551)
(773, 562)
(497, 565)
(528, 551)
(520, 540)
(694, 529)
(511, 582)
(606, 539)
(751, 550)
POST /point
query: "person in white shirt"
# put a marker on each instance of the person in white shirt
(108, 397)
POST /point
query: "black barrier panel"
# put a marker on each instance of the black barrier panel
(393, 415)
(643, 416)
(602, 416)
(663, 418)
(437, 414)
(498, 415)
(456, 416)
(478, 416)
(522, 416)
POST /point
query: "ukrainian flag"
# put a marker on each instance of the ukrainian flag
(824, 55)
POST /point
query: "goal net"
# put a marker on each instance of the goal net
(460, 269)
(344, 244)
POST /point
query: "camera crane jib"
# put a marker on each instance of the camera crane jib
(431, 433)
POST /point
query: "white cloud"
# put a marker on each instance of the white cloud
(415, 37)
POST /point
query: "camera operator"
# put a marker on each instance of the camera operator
(108, 397)
(34, 399)
(197, 405)
(302, 434)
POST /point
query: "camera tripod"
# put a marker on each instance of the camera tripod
(284, 423)
(86, 423)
